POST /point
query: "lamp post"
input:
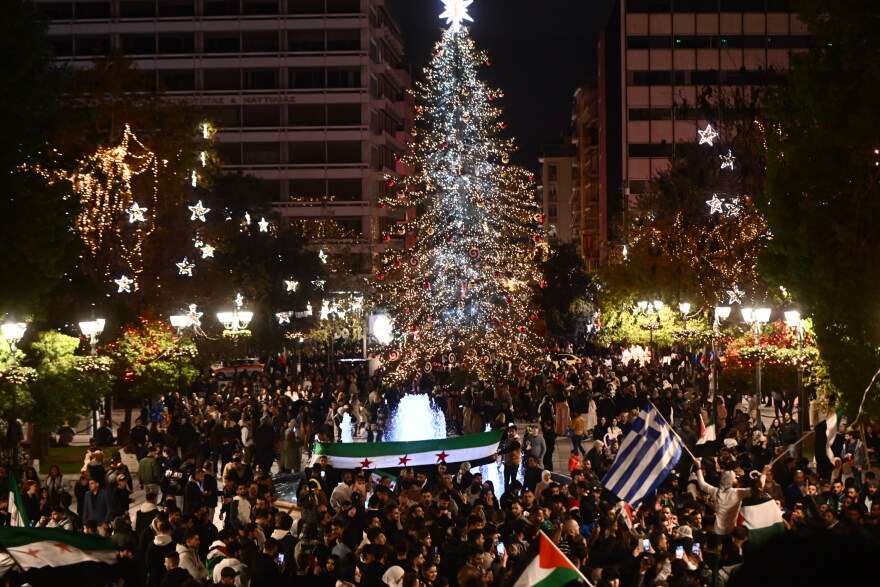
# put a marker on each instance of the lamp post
(721, 313)
(755, 318)
(684, 308)
(650, 308)
(91, 329)
(793, 319)
(13, 332)
(235, 322)
(179, 322)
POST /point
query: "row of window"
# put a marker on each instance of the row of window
(706, 77)
(223, 42)
(688, 6)
(258, 79)
(719, 42)
(663, 149)
(638, 114)
(297, 153)
(298, 115)
(189, 8)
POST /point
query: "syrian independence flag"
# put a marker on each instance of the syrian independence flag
(33, 548)
(707, 433)
(544, 565)
(832, 423)
(383, 455)
(377, 476)
(764, 520)
(17, 515)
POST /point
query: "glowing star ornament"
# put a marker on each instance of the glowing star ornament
(735, 295)
(455, 12)
(136, 213)
(193, 316)
(708, 135)
(198, 211)
(185, 267)
(291, 285)
(716, 205)
(264, 225)
(319, 283)
(727, 160)
(124, 284)
(247, 218)
(283, 317)
(207, 251)
(239, 300)
(323, 256)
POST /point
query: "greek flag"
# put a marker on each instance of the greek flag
(650, 450)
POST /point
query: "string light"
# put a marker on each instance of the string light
(136, 213)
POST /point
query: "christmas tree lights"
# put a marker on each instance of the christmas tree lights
(463, 287)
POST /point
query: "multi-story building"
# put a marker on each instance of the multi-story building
(657, 54)
(310, 94)
(590, 228)
(556, 188)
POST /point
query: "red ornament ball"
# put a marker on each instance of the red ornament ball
(543, 285)
(509, 300)
(531, 178)
(386, 237)
(390, 182)
(496, 273)
(522, 329)
(464, 364)
(380, 276)
(501, 323)
(537, 238)
(426, 285)
(488, 62)
(503, 125)
(534, 316)
(381, 205)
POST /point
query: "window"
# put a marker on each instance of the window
(789, 42)
(552, 194)
(139, 44)
(260, 7)
(649, 5)
(227, 43)
(343, 78)
(305, 41)
(343, 6)
(306, 153)
(261, 115)
(57, 10)
(178, 81)
(695, 5)
(742, 42)
(176, 44)
(307, 77)
(693, 42)
(306, 115)
(221, 8)
(137, 9)
(650, 114)
(229, 153)
(651, 78)
(92, 45)
(779, 6)
(62, 47)
(260, 42)
(649, 42)
(345, 189)
(305, 7)
(552, 212)
(222, 79)
(177, 8)
(92, 10)
(260, 153)
(344, 40)
(552, 173)
(344, 114)
(229, 116)
(261, 79)
(742, 5)
(343, 152)
(650, 149)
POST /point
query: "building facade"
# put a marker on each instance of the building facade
(655, 55)
(309, 95)
(556, 189)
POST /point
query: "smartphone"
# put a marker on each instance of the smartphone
(323, 474)
(695, 550)
(499, 548)
(646, 545)
(280, 559)
(679, 552)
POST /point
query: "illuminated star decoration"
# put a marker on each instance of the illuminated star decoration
(193, 317)
(323, 256)
(239, 300)
(734, 296)
(136, 213)
(325, 309)
(727, 160)
(708, 135)
(124, 284)
(716, 204)
(283, 317)
(733, 207)
(185, 267)
(247, 217)
(291, 284)
(198, 211)
(207, 251)
(194, 180)
(456, 11)
(319, 283)
(264, 225)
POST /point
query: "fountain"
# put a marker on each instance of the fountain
(415, 418)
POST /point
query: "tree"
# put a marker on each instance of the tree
(566, 297)
(35, 246)
(822, 200)
(465, 281)
(149, 360)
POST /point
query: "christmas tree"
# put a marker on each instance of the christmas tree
(461, 291)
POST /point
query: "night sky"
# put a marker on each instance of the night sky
(541, 50)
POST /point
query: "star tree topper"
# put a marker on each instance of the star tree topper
(456, 11)
(708, 135)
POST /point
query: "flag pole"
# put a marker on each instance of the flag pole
(683, 445)
(577, 570)
(785, 452)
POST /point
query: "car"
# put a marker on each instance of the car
(228, 369)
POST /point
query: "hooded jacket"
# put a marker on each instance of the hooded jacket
(189, 560)
(727, 500)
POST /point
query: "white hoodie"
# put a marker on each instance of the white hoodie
(189, 560)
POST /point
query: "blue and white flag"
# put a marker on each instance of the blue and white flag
(649, 452)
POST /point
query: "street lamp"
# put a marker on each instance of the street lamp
(794, 322)
(13, 332)
(755, 318)
(91, 329)
(179, 322)
(721, 313)
(235, 323)
(651, 308)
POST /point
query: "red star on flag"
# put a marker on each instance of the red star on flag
(62, 546)
(366, 463)
(441, 456)
(403, 460)
(33, 552)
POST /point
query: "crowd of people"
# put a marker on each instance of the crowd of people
(211, 514)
